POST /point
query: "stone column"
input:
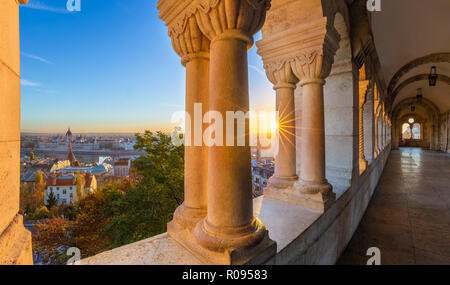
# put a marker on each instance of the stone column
(311, 69)
(363, 84)
(285, 160)
(193, 48)
(15, 240)
(230, 234)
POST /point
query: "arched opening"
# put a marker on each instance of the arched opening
(376, 112)
(406, 131)
(368, 125)
(416, 131)
(411, 130)
(363, 86)
(415, 124)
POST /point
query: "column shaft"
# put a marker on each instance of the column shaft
(196, 156)
(313, 134)
(285, 160)
(229, 171)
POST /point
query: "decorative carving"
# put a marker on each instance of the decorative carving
(243, 18)
(281, 74)
(190, 43)
(312, 60)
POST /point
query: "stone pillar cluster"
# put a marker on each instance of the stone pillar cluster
(303, 55)
(216, 221)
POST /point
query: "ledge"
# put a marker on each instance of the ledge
(303, 236)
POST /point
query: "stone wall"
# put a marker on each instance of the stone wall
(15, 240)
(327, 237)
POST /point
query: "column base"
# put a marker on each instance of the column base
(362, 166)
(319, 201)
(278, 182)
(246, 245)
(181, 228)
(15, 244)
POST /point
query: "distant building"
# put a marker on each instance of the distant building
(46, 166)
(122, 167)
(261, 172)
(65, 188)
(60, 164)
(97, 170)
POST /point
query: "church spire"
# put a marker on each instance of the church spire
(71, 157)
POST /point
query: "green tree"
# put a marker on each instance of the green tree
(31, 155)
(41, 213)
(51, 200)
(146, 209)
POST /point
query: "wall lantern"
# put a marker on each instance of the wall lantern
(432, 78)
(413, 108)
(419, 95)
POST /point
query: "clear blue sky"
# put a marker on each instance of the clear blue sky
(108, 68)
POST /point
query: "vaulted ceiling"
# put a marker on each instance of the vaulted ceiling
(418, 32)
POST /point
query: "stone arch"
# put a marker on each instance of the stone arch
(416, 78)
(431, 58)
(425, 109)
(377, 135)
(368, 118)
(417, 119)
(339, 99)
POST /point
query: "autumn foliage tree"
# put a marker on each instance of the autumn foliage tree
(51, 241)
(123, 212)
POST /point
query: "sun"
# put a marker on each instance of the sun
(273, 126)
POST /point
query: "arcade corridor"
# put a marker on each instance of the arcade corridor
(408, 218)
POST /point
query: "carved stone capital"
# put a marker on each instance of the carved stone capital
(187, 39)
(281, 76)
(221, 19)
(309, 49)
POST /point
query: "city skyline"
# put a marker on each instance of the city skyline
(114, 72)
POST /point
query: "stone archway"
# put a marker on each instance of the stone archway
(427, 111)
(416, 78)
(431, 58)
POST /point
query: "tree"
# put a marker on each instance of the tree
(31, 155)
(146, 209)
(41, 213)
(39, 178)
(51, 239)
(31, 199)
(80, 184)
(94, 212)
(51, 200)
